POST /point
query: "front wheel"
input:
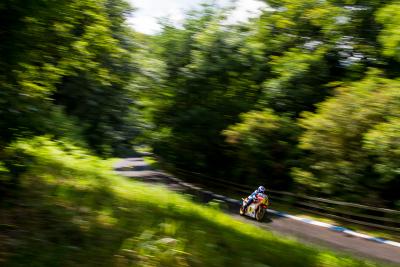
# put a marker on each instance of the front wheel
(241, 211)
(260, 214)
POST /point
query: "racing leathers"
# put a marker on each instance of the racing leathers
(253, 195)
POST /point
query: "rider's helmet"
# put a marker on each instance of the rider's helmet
(261, 189)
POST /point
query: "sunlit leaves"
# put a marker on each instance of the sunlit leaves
(264, 143)
(389, 17)
(348, 128)
(296, 85)
(65, 53)
(383, 141)
(255, 125)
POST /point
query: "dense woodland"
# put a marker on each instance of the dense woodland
(305, 97)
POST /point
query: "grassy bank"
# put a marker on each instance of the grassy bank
(71, 210)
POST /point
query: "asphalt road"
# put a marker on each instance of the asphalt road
(135, 167)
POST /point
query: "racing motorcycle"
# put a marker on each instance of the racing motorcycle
(257, 209)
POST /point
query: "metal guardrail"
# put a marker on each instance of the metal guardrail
(376, 217)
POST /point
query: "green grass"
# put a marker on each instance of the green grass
(152, 161)
(71, 210)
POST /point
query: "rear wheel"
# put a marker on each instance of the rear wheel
(260, 214)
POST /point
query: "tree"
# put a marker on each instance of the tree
(341, 138)
(265, 147)
(382, 143)
(209, 82)
(69, 57)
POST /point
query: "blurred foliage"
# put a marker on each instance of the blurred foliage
(343, 135)
(389, 37)
(302, 96)
(289, 99)
(65, 57)
(305, 97)
(78, 212)
(265, 146)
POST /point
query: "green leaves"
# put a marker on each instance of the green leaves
(265, 145)
(67, 54)
(254, 125)
(383, 142)
(296, 86)
(353, 132)
(208, 94)
(389, 17)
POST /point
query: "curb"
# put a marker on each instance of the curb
(336, 228)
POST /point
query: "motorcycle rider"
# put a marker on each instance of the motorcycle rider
(250, 199)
